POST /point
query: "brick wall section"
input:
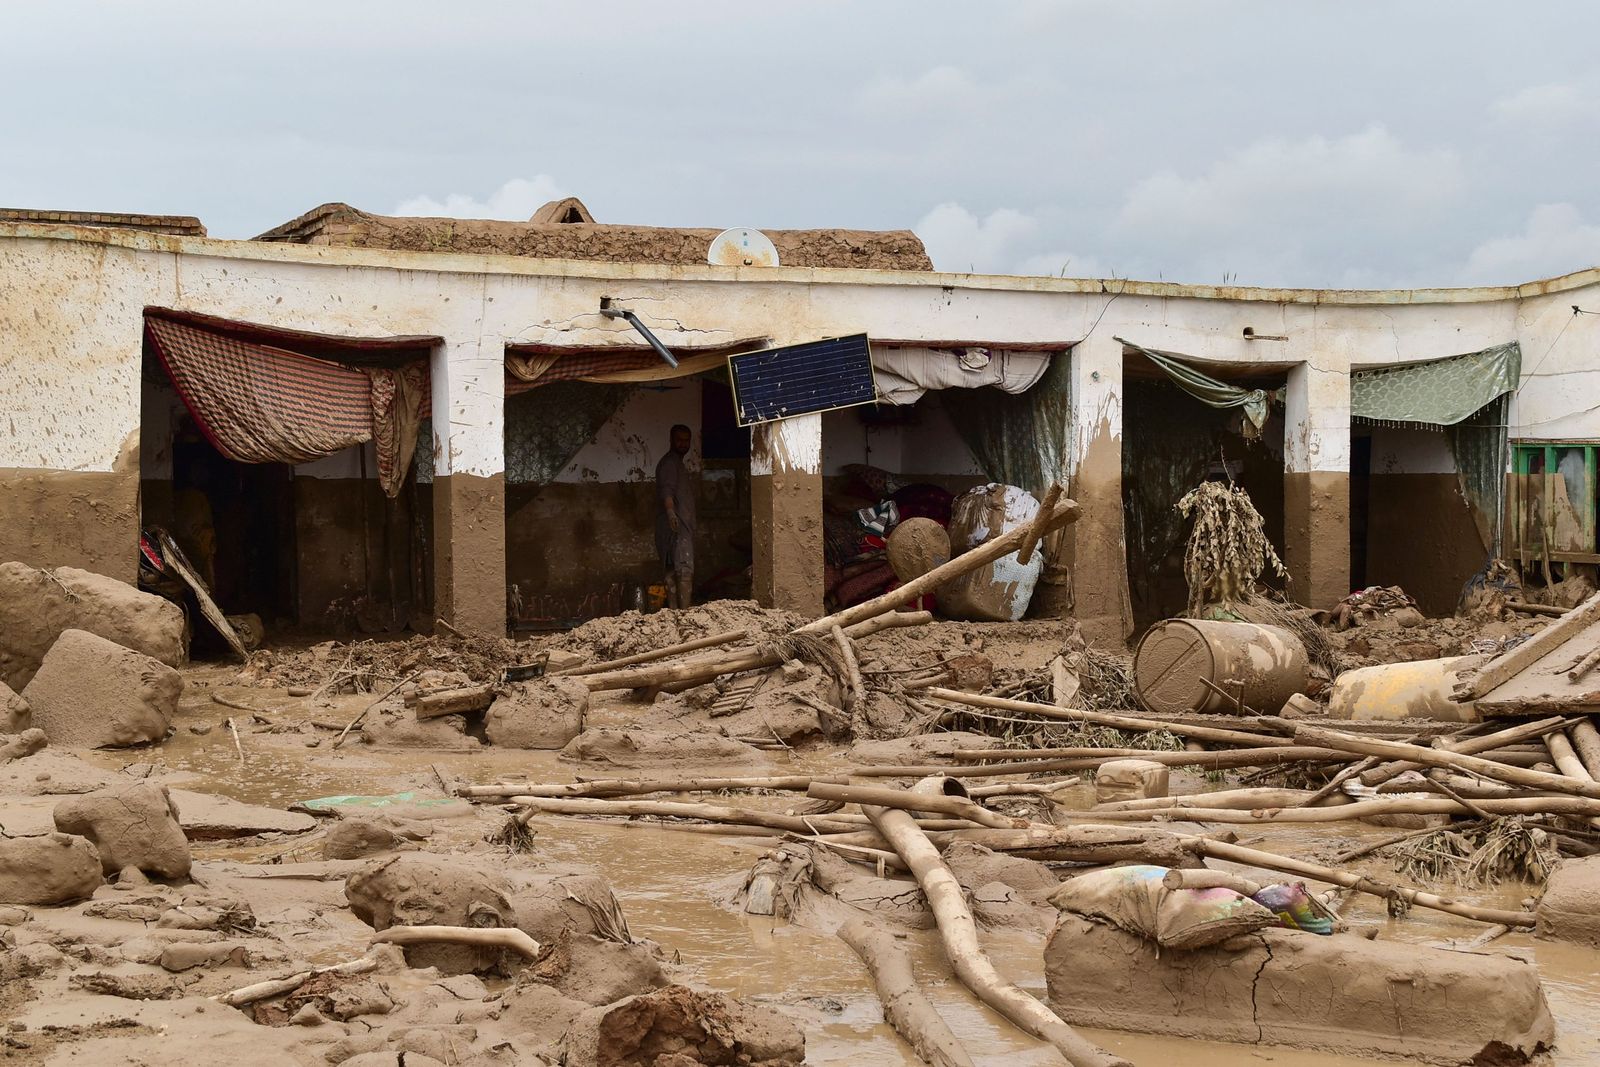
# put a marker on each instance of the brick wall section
(343, 225)
(180, 225)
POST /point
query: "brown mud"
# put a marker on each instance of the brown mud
(672, 885)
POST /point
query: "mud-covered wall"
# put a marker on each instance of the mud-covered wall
(71, 300)
(1420, 532)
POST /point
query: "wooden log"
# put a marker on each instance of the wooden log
(353, 723)
(959, 806)
(1119, 722)
(1205, 878)
(460, 701)
(1272, 861)
(1065, 512)
(506, 937)
(1052, 496)
(621, 787)
(1586, 741)
(1433, 757)
(1567, 762)
(1095, 845)
(275, 987)
(1471, 746)
(1535, 609)
(1361, 809)
(727, 637)
(1263, 797)
(1507, 665)
(856, 689)
(691, 672)
(1245, 757)
(905, 1005)
(1584, 665)
(960, 936)
(800, 824)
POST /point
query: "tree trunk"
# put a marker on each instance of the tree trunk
(905, 1005)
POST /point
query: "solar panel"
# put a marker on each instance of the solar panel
(776, 383)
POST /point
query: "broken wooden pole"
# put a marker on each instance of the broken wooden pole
(1470, 746)
(1221, 760)
(666, 809)
(959, 932)
(905, 1005)
(958, 805)
(462, 701)
(1586, 741)
(621, 787)
(1507, 665)
(1434, 757)
(1360, 809)
(274, 987)
(506, 937)
(727, 637)
(1035, 528)
(1119, 722)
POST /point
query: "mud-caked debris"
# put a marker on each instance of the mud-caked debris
(21, 745)
(549, 906)
(350, 839)
(411, 889)
(1570, 907)
(597, 971)
(1130, 779)
(681, 1026)
(393, 725)
(541, 714)
(93, 693)
(37, 606)
(15, 716)
(131, 826)
(646, 748)
(48, 869)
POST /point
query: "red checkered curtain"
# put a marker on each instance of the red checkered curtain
(259, 404)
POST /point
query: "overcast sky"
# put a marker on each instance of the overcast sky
(1266, 143)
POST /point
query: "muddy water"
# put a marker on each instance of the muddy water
(670, 881)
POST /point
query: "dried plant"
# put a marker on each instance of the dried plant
(1228, 547)
(1499, 850)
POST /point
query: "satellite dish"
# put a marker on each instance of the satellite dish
(742, 248)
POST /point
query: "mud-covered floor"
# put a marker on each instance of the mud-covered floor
(669, 882)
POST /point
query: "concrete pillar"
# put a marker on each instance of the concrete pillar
(786, 513)
(1099, 557)
(469, 492)
(1316, 484)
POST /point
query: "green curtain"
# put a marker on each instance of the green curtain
(1255, 403)
(1018, 439)
(1441, 392)
(1479, 445)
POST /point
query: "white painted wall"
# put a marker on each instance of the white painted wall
(928, 446)
(71, 300)
(1410, 451)
(633, 440)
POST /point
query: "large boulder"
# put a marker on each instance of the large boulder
(680, 1026)
(1570, 907)
(411, 889)
(93, 693)
(37, 606)
(1340, 994)
(131, 826)
(48, 869)
(541, 714)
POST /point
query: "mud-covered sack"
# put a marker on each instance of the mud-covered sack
(1001, 590)
(1134, 899)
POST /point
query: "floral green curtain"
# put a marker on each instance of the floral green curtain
(1018, 439)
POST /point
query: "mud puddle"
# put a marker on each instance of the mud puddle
(670, 881)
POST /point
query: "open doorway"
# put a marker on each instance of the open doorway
(1171, 443)
(315, 547)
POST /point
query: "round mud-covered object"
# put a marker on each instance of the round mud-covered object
(916, 547)
(1260, 666)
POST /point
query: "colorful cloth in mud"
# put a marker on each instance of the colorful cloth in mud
(260, 404)
(1136, 899)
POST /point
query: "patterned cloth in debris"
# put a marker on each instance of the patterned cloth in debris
(1379, 599)
(259, 404)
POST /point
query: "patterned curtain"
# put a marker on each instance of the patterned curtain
(1018, 439)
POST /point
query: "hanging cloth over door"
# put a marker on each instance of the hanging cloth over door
(1256, 404)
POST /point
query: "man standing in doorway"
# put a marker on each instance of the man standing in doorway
(675, 520)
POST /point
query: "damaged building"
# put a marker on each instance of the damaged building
(365, 423)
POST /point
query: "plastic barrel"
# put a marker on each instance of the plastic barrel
(1419, 689)
(1259, 666)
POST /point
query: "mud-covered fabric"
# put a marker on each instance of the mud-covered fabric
(1135, 899)
(546, 427)
(1441, 392)
(1018, 439)
(259, 404)
(1255, 404)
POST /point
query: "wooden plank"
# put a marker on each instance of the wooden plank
(1483, 681)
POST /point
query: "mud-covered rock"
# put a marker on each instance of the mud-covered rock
(680, 1026)
(411, 889)
(393, 725)
(648, 748)
(351, 839)
(1570, 907)
(37, 606)
(15, 716)
(595, 970)
(1287, 987)
(93, 693)
(22, 745)
(131, 826)
(541, 714)
(550, 905)
(48, 869)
